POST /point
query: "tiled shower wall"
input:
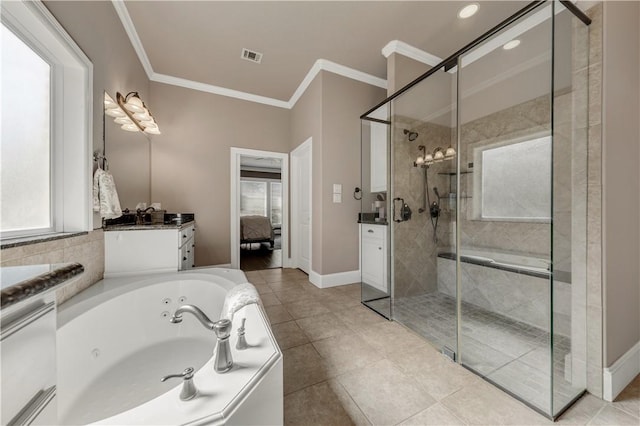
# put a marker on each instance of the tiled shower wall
(415, 249)
(87, 249)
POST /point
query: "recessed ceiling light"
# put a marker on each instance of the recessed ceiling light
(511, 44)
(468, 11)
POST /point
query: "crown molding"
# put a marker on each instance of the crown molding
(404, 49)
(127, 23)
(319, 65)
(217, 90)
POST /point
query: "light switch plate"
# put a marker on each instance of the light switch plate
(337, 198)
(337, 188)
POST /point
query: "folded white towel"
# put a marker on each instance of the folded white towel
(237, 298)
(105, 196)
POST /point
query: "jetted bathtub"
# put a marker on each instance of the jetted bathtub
(115, 343)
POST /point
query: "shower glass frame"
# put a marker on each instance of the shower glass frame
(566, 107)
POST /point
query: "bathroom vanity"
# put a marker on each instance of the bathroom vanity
(373, 252)
(149, 247)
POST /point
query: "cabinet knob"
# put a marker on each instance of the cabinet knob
(370, 231)
(184, 236)
(379, 248)
(184, 258)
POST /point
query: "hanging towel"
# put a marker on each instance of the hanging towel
(105, 196)
(237, 298)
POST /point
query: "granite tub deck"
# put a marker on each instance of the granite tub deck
(21, 282)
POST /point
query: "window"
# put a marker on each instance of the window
(515, 181)
(25, 151)
(259, 197)
(46, 125)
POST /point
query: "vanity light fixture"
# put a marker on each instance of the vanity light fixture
(131, 113)
(468, 11)
(425, 160)
(511, 44)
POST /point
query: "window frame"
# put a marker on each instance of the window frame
(477, 200)
(269, 183)
(54, 190)
(71, 116)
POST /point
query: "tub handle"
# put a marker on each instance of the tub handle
(189, 390)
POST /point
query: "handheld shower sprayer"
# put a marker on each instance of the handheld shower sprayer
(434, 208)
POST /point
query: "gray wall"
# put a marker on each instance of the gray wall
(116, 68)
(329, 112)
(191, 159)
(621, 195)
(343, 101)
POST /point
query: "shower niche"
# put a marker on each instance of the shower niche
(487, 153)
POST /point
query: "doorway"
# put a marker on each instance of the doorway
(259, 209)
(301, 204)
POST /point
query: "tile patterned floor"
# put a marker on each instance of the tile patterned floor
(510, 353)
(345, 365)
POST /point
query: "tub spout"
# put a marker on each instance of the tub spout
(223, 360)
(196, 312)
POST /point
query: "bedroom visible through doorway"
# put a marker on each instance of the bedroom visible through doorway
(260, 213)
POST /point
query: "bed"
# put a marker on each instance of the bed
(256, 229)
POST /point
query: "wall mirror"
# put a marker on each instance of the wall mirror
(129, 160)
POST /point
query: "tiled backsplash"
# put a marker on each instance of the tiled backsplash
(87, 249)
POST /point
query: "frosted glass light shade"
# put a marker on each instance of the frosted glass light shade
(438, 156)
(123, 120)
(134, 104)
(428, 159)
(130, 127)
(450, 153)
(152, 131)
(115, 112)
(419, 161)
(142, 116)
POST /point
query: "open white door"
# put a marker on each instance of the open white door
(301, 206)
(236, 155)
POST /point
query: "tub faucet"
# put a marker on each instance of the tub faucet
(223, 360)
(189, 390)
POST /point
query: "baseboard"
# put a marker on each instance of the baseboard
(334, 280)
(621, 373)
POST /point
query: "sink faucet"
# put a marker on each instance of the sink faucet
(140, 214)
(223, 360)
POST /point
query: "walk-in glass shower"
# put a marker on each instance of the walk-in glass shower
(473, 228)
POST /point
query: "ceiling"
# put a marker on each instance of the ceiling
(201, 41)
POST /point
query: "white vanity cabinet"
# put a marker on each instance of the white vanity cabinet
(373, 252)
(129, 251)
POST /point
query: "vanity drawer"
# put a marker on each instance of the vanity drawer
(186, 234)
(374, 231)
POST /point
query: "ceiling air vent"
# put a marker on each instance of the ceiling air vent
(252, 56)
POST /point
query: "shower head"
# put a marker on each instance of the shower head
(412, 136)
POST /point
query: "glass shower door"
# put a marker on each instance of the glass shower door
(423, 195)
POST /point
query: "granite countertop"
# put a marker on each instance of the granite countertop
(373, 222)
(22, 282)
(148, 226)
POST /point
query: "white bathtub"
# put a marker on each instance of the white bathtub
(115, 342)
